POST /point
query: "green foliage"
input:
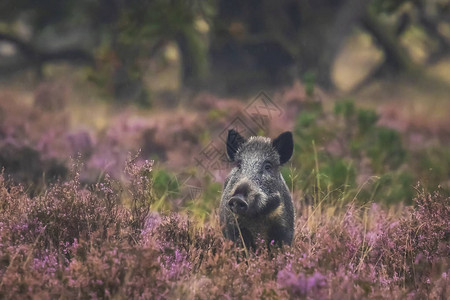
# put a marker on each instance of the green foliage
(338, 173)
(366, 120)
(165, 187)
(387, 6)
(346, 108)
(217, 113)
(154, 19)
(309, 79)
(433, 166)
(385, 149)
(340, 157)
(164, 183)
(306, 120)
(397, 185)
(206, 202)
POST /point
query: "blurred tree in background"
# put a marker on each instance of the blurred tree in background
(117, 38)
(225, 45)
(278, 41)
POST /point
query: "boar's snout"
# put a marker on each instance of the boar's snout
(237, 204)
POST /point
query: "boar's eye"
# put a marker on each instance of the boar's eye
(239, 164)
(268, 166)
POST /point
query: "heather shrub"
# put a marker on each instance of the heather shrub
(116, 270)
(177, 234)
(72, 237)
(140, 192)
(299, 285)
(78, 241)
(64, 213)
(81, 143)
(31, 138)
(419, 244)
(99, 232)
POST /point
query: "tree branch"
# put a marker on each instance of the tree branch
(349, 13)
(22, 46)
(396, 57)
(31, 57)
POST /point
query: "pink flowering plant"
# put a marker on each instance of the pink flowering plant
(74, 242)
(112, 225)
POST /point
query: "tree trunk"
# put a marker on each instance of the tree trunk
(269, 43)
(396, 57)
(348, 15)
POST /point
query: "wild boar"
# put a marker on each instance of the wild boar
(255, 195)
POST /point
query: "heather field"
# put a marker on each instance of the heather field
(116, 201)
(114, 117)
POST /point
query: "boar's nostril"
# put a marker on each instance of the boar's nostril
(237, 204)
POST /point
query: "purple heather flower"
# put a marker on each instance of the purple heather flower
(300, 284)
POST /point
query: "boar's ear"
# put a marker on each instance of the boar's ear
(234, 141)
(284, 144)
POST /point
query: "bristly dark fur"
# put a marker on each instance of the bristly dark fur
(255, 193)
